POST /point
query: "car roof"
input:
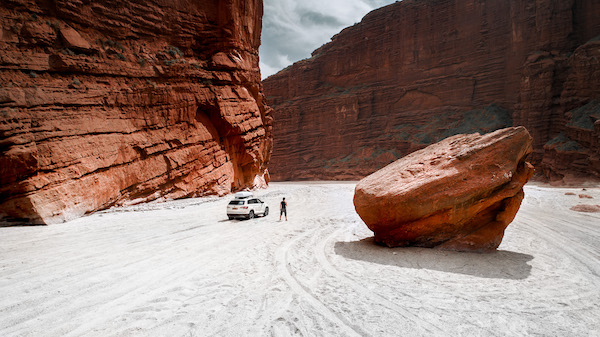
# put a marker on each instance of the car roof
(243, 195)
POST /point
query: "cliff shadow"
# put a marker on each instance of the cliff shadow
(500, 264)
(24, 223)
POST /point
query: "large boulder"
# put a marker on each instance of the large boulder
(458, 194)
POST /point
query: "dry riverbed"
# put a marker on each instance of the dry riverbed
(180, 268)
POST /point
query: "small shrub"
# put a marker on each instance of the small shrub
(32, 74)
(170, 62)
(107, 43)
(561, 138)
(161, 56)
(54, 24)
(153, 84)
(67, 51)
(174, 51)
(120, 56)
(141, 61)
(110, 43)
(585, 116)
(424, 138)
(564, 143)
(76, 82)
(570, 146)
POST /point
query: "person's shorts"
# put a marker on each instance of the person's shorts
(283, 211)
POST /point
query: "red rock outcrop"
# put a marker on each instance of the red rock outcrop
(574, 148)
(116, 102)
(414, 72)
(586, 208)
(458, 194)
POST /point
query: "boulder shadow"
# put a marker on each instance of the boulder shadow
(500, 264)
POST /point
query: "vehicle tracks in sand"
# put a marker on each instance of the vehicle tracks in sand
(187, 271)
(376, 299)
(340, 322)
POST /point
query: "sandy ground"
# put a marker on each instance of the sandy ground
(181, 268)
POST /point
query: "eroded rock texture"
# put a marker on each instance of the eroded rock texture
(458, 194)
(115, 102)
(414, 72)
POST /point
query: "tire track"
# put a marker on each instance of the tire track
(286, 273)
(320, 254)
(553, 237)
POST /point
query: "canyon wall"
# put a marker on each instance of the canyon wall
(118, 102)
(417, 71)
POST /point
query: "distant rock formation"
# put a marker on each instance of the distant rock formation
(414, 72)
(116, 102)
(458, 194)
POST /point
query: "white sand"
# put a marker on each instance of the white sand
(182, 269)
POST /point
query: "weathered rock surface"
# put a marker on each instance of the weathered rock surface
(414, 72)
(586, 208)
(458, 194)
(115, 102)
(574, 148)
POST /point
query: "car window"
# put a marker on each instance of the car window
(236, 202)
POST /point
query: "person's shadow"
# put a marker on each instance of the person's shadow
(499, 264)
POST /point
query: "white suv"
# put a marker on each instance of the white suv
(244, 205)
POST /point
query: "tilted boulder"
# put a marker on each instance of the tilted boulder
(458, 194)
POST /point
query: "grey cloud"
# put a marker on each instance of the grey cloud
(316, 18)
(293, 29)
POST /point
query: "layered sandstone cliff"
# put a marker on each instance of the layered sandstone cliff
(115, 102)
(417, 71)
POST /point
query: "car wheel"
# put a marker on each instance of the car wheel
(266, 211)
(251, 215)
(230, 217)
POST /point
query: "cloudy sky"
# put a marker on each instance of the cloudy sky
(292, 29)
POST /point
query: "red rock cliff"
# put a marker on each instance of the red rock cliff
(417, 71)
(115, 102)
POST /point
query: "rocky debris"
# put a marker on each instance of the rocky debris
(458, 194)
(73, 40)
(586, 208)
(585, 196)
(414, 72)
(114, 102)
(570, 193)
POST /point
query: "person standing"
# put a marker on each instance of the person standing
(283, 209)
